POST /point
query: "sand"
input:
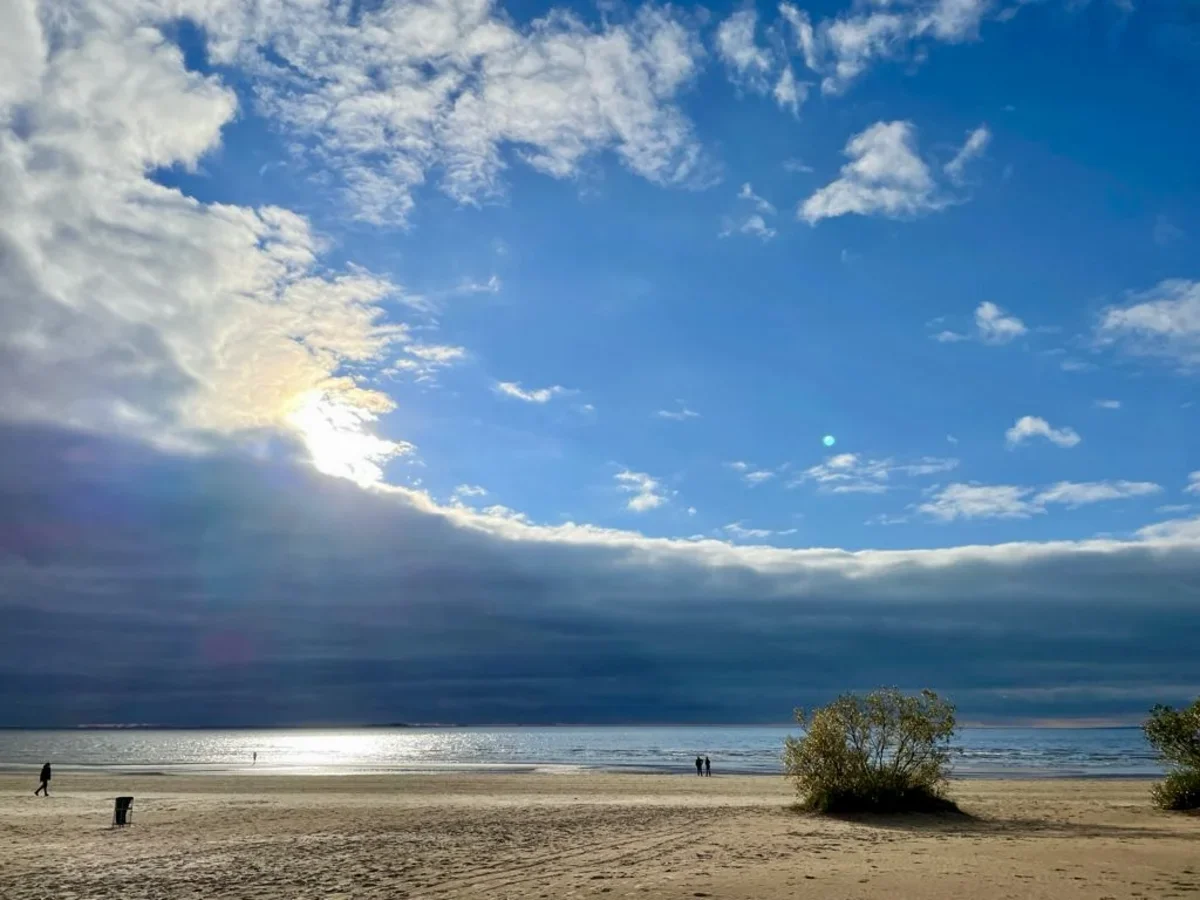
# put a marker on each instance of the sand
(579, 836)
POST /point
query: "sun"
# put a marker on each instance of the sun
(335, 433)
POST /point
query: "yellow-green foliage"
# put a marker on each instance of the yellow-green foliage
(1175, 734)
(886, 752)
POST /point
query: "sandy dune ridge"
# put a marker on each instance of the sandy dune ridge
(579, 836)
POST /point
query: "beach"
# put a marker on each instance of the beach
(579, 835)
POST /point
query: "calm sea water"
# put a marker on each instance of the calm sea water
(1003, 752)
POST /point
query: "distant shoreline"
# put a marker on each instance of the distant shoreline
(537, 770)
(1057, 726)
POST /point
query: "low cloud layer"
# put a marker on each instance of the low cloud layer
(142, 586)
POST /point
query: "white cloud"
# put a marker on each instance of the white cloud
(954, 20)
(992, 326)
(760, 203)
(852, 43)
(439, 86)
(505, 514)
(469, 286)
(926, 465)
(748, 63)
(844, 47)
(849, 473)
(974, 501)
(1032, 426)
(752, 67)
(469, 490)
(995, 326)
(739, 532)
(736, 530)
(1163, 321)
(1075, 494)
(1006, 501)
(436, 354)
(887, 519)
(129, 307)
(977, 141)
(648, 493)
(683, 413)
(1193, 485)
(754, 226)
(424, 360)
(796, 166)
(885, 176)
(1108, 404)
(691, 510)
(752, 475)
(951, 439)
(789, 93)
(536, 395)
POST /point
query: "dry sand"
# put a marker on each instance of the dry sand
(579, 836)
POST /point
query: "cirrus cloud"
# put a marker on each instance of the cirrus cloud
(1161, 322)
(532, 395)
(1006, 501)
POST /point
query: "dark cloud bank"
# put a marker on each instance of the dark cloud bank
(137, 586)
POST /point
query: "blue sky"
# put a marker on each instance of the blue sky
(627, 294)
(606, 277)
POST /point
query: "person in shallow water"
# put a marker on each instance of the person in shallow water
(44, 787)
(707, 767)
(699, 766)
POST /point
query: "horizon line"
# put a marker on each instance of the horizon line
(1082, 723)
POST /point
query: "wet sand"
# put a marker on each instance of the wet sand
(579, 836)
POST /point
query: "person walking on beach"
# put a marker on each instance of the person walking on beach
(699, 766)
(707, 767)
(254, 761)
(44, 787)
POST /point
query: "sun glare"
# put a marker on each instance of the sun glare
(336, 435)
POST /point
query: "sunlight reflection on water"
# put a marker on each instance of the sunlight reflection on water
(732, 748)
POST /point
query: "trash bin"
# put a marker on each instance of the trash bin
(122, 812)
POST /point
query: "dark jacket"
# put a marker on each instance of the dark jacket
(46, 772)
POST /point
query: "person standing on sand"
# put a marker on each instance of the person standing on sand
(699, 766)
(44, 787)
(708, 767)
(254, 761)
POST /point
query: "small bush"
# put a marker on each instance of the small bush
(1175, 735)
(883, 752)
(1179, 791)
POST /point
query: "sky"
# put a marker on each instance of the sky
(463, 362)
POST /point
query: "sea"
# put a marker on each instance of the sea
(981, 752)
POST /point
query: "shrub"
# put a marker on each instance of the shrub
(883, 752)
(1175, 735)
(1178, 791)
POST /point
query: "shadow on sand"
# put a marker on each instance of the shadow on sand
(965, 824)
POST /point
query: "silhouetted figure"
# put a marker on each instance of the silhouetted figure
(699, 766)
(255, 760)
(708, 767)
(44, 787)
